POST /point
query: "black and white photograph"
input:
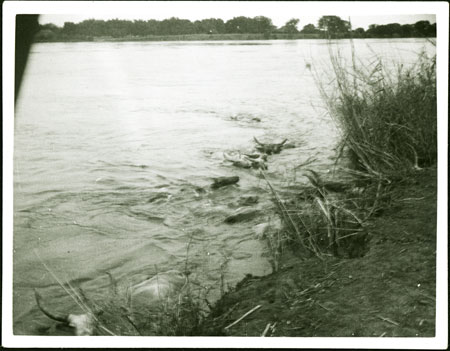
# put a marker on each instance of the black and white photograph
(225, 174)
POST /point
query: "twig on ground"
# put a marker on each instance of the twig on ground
(266, 330)
(245, 315)
(325, 308)
(412, 199)
(388, 320)
(295, 328)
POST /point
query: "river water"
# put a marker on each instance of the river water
(116, 145)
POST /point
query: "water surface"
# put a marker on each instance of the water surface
(116, 145)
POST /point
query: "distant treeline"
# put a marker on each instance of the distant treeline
(260, 27)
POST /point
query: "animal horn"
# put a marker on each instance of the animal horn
(228, 157)
(256, 141)
(59, 318)
(282, 143)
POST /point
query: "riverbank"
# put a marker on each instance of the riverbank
(390, 291)
(358, 258)
(199, 37)
(182, 37)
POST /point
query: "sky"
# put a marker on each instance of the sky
(361, 14)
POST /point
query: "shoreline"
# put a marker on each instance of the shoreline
(186, 37)
(390, 291)
(386, 288)
(207, 37)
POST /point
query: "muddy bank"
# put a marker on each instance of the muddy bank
(390, 291)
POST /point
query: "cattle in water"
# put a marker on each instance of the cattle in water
(162, 288)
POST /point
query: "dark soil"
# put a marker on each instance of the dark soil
(388, 292)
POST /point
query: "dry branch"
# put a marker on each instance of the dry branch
(245, 315)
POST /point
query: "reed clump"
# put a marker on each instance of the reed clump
(386, 113)
(330, 218)
(387, 117)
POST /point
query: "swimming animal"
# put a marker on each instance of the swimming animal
(153, 292)
(269, 149)
(162, 286)
(83, 324)
(245, 161)
(238, 161)
(222, 181)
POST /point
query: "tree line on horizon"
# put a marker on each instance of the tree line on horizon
(327, 27)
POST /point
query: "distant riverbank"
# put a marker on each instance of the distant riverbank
(196, 37)
(185, 37)
(238, 28)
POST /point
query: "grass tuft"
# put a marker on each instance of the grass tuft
(387, 115)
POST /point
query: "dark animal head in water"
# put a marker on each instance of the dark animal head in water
(222, 181)
(269, 148)
(155, 291)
